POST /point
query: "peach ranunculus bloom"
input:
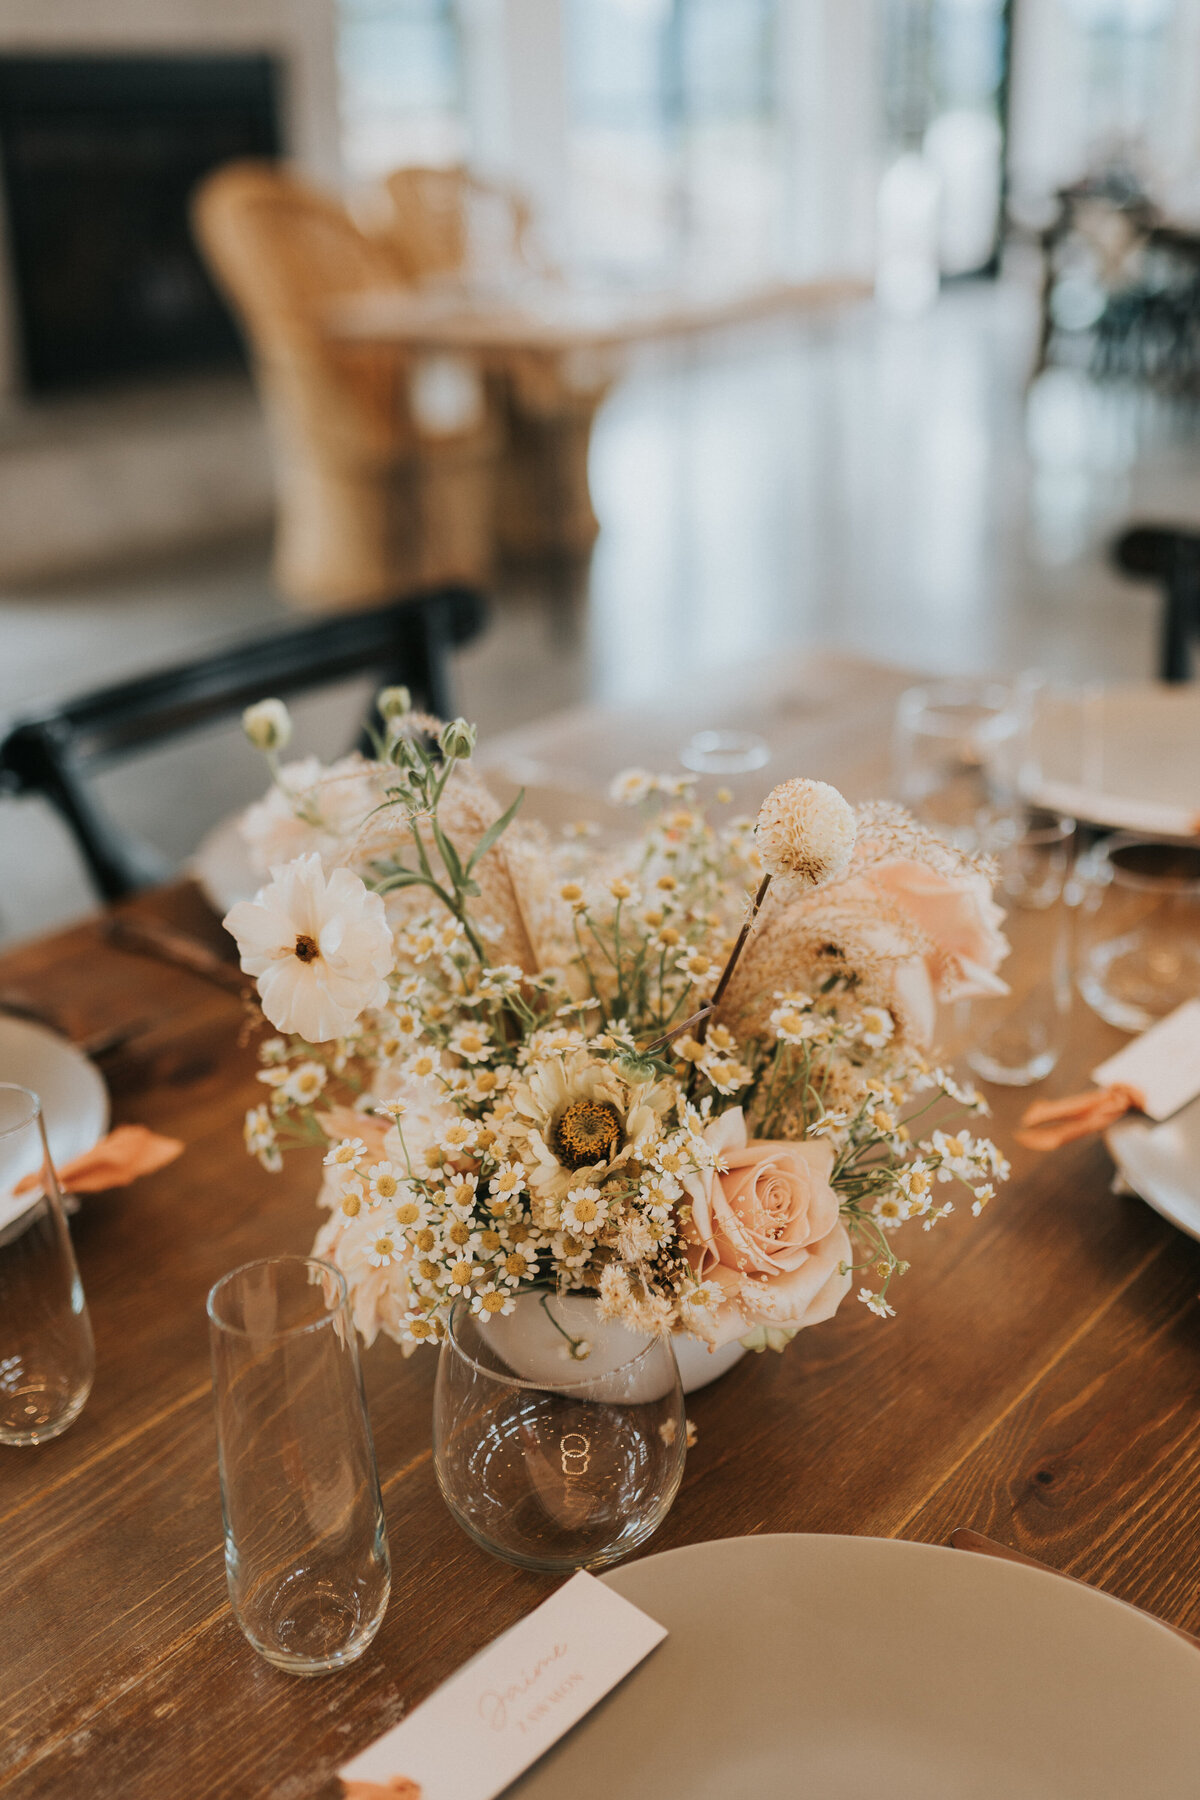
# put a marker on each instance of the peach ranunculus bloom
(956, 916)
(765, 1230)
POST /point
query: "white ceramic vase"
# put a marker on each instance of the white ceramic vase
(698, 1365)
(534, 1343)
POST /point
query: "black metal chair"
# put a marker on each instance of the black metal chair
(1169, 556)
(54, 752)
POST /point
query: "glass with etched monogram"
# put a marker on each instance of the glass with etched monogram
(306, 1552)
(46, 1355)
(558, 1436)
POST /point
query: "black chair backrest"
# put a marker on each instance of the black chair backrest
(52, 753)
(1170, 556)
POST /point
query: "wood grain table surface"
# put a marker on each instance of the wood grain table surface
(1040, 1383)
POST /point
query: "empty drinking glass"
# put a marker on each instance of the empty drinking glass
(558, 1436)
(1140, 928)
(958, 749)
(725, 752)
(306, 1552)
(1017, 1038)
(46, 1356)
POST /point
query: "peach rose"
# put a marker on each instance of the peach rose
(958, 917)
(765, 1230)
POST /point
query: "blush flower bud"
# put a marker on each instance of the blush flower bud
(268, 725)
(457, 740)
(394, 702)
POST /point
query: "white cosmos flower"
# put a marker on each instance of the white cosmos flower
(318, 946)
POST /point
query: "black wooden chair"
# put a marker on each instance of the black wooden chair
(53, 753)
(1169, 556)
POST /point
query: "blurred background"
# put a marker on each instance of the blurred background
(962, 240)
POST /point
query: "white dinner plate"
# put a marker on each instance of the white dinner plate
(844, 1668)
(71, 1089)
(1127, 757)
(1161, 1163)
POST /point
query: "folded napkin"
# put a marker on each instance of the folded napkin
(118, 1159)
(397, 1787)
(1048, 1124)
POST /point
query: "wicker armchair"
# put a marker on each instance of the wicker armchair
(373, 499)
(445, 223)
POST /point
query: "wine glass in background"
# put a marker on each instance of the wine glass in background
(958, 749)
(1017, 1038)
(725, 752)
(1139, 928)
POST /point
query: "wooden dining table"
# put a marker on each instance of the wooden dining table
(1040, 1382)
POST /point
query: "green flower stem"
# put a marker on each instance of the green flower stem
(731, 965)
(562, 1331)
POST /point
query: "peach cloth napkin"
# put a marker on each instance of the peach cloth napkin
(1048, 1124)
(398, 1787)
(118, 1159)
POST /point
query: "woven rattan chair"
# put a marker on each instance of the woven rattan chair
(445, 222)
(372, 500)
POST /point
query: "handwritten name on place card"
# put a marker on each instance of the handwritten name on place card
(489, 1722)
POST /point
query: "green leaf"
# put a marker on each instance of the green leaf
(449, 856)
(494, 831)
(402, 878)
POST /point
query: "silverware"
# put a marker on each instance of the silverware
(147, 937)
(94, 1045)
(18, 1006)
(114, 1037)
(963, 1538)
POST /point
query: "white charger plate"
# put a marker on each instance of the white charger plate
(1127, 757)
(847, 1668)
(1161, 1163)
(71, 1089)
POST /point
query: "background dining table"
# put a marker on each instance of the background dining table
(1040, 1382)
(554, 316)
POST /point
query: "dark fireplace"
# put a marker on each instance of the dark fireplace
(100, 155)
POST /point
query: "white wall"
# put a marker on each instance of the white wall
(1062, 114)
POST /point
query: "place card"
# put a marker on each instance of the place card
(1163, 1064)
(487, 1724)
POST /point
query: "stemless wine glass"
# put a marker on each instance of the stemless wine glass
(558, 1437)
(725, 752)
(306, 1552)
(1140, 928)
(1017, 1038)
(46, 1356)
(958, 749)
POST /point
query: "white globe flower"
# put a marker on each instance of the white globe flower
(318, 946)
(806, 832)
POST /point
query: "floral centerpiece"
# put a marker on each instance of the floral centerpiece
(691, 1076)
